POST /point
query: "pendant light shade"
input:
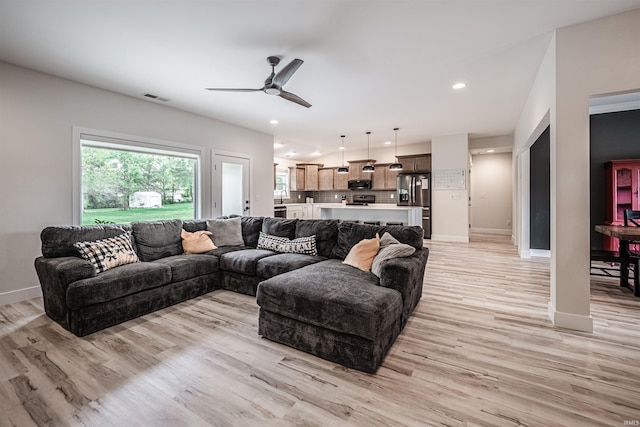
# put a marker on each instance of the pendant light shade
(343, 169)
(368, 167)
(397, 166)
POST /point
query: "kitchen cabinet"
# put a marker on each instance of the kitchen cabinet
(622, 182)
(355, 169)
(311, 177)
(340, 180)
(415, 163)
(325, 179)
(296, 178)
(304, 176)
(299, 211)
(384, 178)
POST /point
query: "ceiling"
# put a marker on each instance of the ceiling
(369, 65)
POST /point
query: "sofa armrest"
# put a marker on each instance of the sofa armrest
(406, 276)
(55, 275)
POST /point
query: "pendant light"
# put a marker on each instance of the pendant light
(397, 166)
(368, 168)
(343, 168)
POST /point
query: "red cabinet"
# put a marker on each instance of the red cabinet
(622, 178)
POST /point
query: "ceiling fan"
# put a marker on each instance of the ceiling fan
(273, 84)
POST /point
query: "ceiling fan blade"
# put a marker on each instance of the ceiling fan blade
(233, 90)
(285, 74)
(294, 98)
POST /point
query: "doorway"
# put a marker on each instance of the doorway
(231, 177)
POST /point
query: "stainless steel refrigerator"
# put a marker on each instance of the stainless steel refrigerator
(414, 189)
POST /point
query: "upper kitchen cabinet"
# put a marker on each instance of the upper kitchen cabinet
(384, 178)
(304, 177)
(340, 180)
(355, 169)
(415, 163)
(325, 179)
(296, 178)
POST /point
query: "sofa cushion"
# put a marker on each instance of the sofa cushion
(325, 230)
(195, 225)
(350, 233)
(226, 232)
(243, 262)
(157, 239)
(58, 241)
(108, 253)
(251, 227)
(116, 283)
(188, 266)
(332, 295)
(282, 263)
(280, 227)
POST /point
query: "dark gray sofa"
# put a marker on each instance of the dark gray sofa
(313, 303)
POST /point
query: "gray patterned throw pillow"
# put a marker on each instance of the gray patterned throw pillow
(301, 245)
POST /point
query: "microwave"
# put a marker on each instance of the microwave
(359, 184)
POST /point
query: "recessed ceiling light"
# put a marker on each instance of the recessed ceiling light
(277, 145)
(315, 153)
(387, 143)
(290, 153)
(273, 122)
(459, 85)
(490, 151)
(340, 148)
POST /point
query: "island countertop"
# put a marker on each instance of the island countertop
(382, 213)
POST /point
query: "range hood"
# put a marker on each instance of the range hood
(359, 184)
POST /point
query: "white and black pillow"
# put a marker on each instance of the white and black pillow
(108, 253)
(301, 245)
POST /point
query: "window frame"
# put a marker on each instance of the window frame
(276, 193)
(136, 144)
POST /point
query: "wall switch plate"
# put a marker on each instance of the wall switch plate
(299, 196)
(391, 196)
(335, 196)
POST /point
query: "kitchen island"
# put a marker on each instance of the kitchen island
(408, 215)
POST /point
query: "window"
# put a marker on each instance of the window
(124, 181)
(282, 184)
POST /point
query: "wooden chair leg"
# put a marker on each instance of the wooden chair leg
(636, 278)
(624, 273)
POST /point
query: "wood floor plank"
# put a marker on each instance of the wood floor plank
(478, 351)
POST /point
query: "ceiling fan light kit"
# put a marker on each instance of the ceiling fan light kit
(343, 169)
(368, 168)
(273, 84)
(397, 166)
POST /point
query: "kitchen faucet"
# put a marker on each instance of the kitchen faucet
(282, 191)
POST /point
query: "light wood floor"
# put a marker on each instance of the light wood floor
(479, 351)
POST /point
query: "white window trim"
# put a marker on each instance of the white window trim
(109, 139)
(287, 194)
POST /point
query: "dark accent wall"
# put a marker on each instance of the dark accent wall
(540, 192)
(613, 136)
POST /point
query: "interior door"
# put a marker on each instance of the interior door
(231, 177)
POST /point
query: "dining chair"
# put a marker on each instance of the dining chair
(632, 219)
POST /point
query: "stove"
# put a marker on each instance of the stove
(362, 200)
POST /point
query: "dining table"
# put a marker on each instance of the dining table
(626, 235)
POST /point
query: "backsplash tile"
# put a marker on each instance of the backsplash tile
(329, 196)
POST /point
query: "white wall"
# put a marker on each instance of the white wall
(37, 114)
(593, 58)
(450, 208)
(491, 193)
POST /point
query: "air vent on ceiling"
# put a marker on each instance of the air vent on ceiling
(156, 97)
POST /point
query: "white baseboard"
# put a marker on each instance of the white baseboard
(569, 320)
(447, 238)
(20, 295)
(541, 253)
(525, 253)
(500, 231)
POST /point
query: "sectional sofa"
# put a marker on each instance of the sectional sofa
(314, 303)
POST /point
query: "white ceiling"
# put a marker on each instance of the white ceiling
(369, 65)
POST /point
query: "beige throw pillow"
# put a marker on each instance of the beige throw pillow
(197, 242)
(362, 254)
